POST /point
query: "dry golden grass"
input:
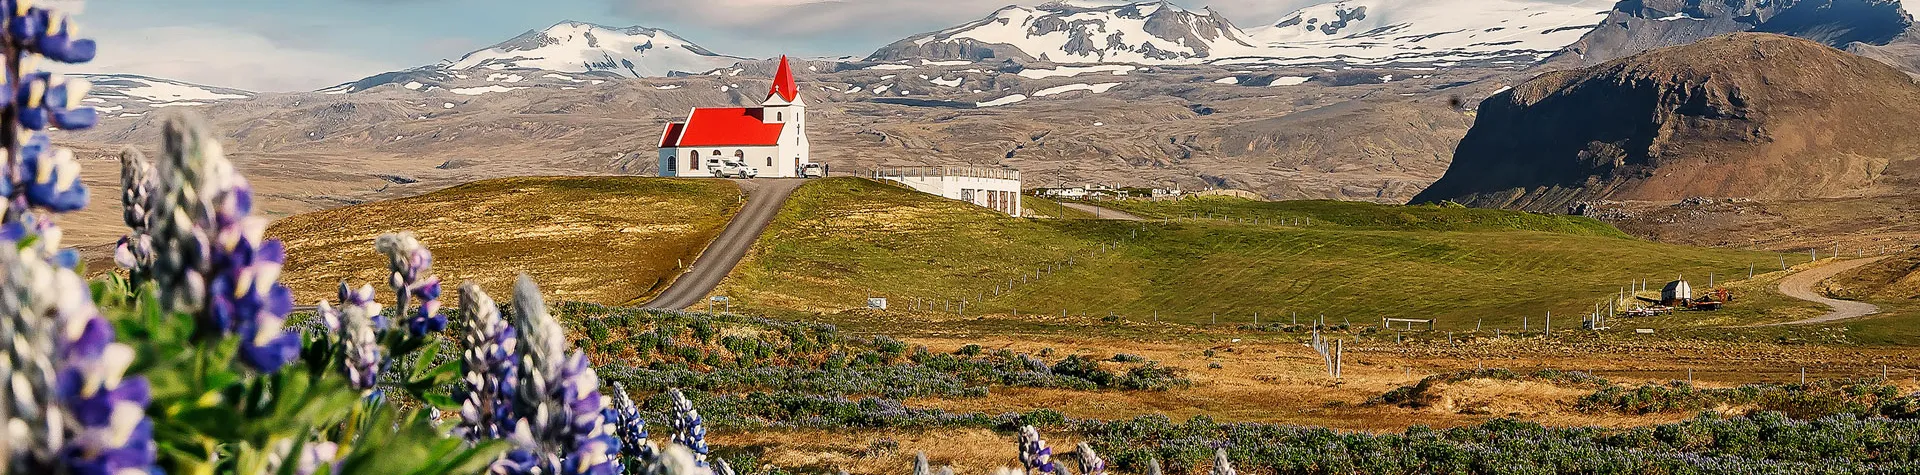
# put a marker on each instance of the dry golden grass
(608, 240)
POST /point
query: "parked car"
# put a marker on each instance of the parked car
(731, 169)
(813, 170)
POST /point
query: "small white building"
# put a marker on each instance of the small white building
(771, 138)
(995, 188)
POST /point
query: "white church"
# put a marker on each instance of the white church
(771, 138)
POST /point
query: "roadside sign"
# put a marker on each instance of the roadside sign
(879, 303)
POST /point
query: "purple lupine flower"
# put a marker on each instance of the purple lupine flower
(211, 256)
(365, 356)
(110, 432)
(688, 429)
(29, 408)
(1153, 466)
(1221, 464)
(134, 252)
(51, 100)
(46, 32)
(625, 415)
(249, 298)
(486, 409)
(1035, 455)
(361, 300)
(1090, 462)
(412, 278)
(53, 176)
(558, 400)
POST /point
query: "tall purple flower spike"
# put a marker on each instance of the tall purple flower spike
(412, 279)
(365, 356)
(106, 429)
(490, 362)
(211, 256)
(1035, 455)
(561, 414)
(72, 406)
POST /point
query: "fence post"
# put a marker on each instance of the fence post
(1339, 347)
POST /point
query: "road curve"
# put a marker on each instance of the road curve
(1800, 286)
(1103, 213)
(764, 198)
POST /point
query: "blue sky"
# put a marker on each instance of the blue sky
(289, 45)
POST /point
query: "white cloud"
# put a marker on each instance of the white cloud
(225, 57)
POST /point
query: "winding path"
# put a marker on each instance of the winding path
(764, 198)
(1103, 213)
(1800, 286)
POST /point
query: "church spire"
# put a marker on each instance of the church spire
(783, 84)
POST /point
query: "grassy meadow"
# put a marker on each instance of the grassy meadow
(608, 240)
(841, 241)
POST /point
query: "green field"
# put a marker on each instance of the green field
(841, 241)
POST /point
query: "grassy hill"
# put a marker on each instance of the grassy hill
(840, 241)
(608, 240)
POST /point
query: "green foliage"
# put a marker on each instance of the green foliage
(211, 415)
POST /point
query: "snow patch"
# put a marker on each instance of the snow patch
(475, 91)
(889, 67)
(1290, 81)
(1096, 88)
(1071, 71)
(414, 85)
(1227, 80)
(1002, 101)
(955, 82)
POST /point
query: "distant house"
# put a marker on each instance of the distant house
(994, 188)
(771, 138)
(1061, 193)
(1678, 292)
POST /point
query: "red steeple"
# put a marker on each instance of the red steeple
(783, 84)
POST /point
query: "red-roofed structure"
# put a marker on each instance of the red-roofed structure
(771, 138)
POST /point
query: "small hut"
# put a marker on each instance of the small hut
(1676, 293)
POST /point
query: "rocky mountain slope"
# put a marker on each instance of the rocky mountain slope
(1634, 26)
(128, 95)
(1717, 118)
(1064, 32)
(1441, 33)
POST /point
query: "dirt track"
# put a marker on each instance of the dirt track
(764, 198)
(1103, 213)
(1800, 286)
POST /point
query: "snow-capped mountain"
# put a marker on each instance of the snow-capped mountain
(568, 54)
(118, 95)
(1444, 31)
(1082, 32)
(1354, 32)
(576, 47)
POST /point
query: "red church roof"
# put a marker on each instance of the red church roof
(783, 84)
(673, 134)
(722, 127)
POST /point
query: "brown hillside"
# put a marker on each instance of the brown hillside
(1896, 277)
(1745, 115)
